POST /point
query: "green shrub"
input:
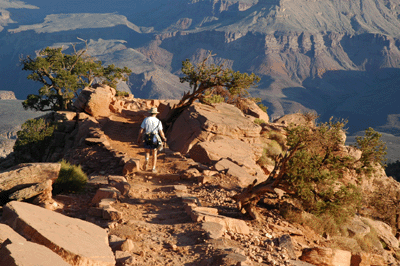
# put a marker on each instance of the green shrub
(33, 140)
(71, 179)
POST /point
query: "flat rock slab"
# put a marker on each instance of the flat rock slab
(26, 253)
(76, 241)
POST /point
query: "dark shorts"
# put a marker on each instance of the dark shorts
(150, 147)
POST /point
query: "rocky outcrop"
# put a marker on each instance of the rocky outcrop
(61, 234)
(219, 132)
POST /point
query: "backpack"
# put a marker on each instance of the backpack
(149, 138)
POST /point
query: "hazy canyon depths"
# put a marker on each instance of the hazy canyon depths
(340, 58)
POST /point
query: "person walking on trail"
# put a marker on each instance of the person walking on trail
(150, 134)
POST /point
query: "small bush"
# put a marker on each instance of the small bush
(121, 93)
(215, 98)
(71, 179)
(259, 121)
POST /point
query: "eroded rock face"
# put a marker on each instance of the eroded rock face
(77, 242)
(201, 122)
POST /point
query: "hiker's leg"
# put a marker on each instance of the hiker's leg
(147, 156)
(154, 158)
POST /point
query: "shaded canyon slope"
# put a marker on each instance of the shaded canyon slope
(339, 58)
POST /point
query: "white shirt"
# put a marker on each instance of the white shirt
(151, 124)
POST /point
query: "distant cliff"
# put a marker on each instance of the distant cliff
(7, 95)
(338, 58)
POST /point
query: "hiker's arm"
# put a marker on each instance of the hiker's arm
(162, 135)
(139, 139)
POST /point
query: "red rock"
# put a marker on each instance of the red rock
(77, 242)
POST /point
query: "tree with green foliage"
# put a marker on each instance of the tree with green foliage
(211, 83)
(63, 76)
(316, 168)
(32, 140)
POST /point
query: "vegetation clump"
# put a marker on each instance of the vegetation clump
(71, 179)
(32, 140)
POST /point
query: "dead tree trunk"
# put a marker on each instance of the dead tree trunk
(249, 197)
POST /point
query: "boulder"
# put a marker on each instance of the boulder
(213, 230)
(356, 227)
(61, 234)
(241, 155)
(200, 122)
(104, 193)
(367, 259)
(237, 171)
(120, 183)
(285, 241)
(326, 256)
(25, 181)
(7, 232)
(131, 166)
(28, 173)
(201, 214)
(252, 109)
(95, 100)
(384, 232)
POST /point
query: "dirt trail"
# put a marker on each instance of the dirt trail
(154, 215)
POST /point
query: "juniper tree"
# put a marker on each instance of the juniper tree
(212, 83)
(64, 75)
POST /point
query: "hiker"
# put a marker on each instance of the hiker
(151, 130)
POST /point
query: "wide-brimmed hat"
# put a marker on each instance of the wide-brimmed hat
(153, 110)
